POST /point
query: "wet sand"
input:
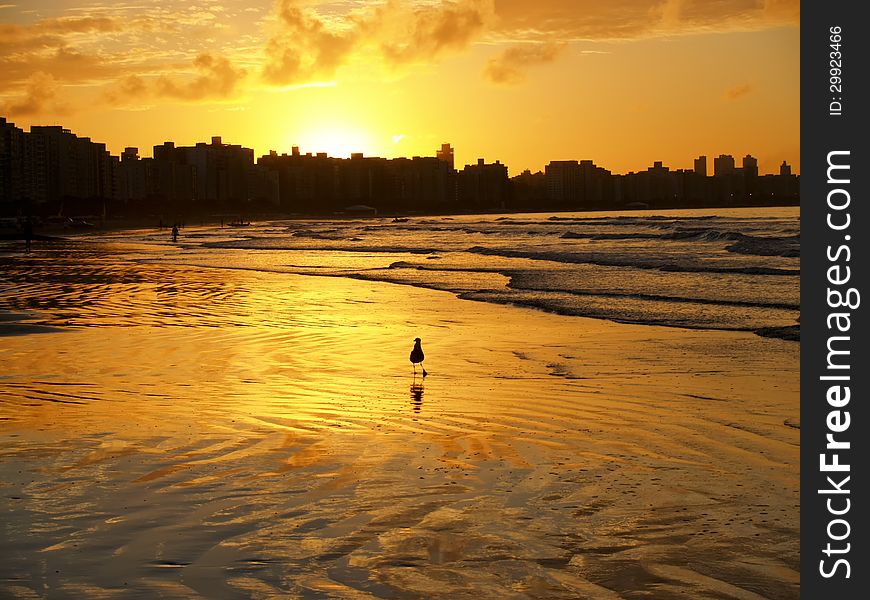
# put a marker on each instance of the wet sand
(186, 432)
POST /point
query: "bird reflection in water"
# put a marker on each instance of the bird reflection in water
(417, 396)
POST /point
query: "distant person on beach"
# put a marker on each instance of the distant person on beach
(175, 233)
(27, 230)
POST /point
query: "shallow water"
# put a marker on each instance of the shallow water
(176, 430)
(726, 269)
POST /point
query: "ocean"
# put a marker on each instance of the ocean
(701, 269)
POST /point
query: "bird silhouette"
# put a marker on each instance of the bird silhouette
(417, 357)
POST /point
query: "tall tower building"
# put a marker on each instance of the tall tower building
(445, 154)
(701, 166)
(750, 166)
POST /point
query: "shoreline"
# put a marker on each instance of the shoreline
(788, 333)
(119, 236)
(124, 223)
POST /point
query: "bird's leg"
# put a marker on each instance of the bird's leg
(424, 369)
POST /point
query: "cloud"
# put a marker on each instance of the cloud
(307, 44)
(733, 14)
(783, 10)
(55, 47)
(130, 87)
(628, 19)
(40, 96)
(110, 40)
(14, 32)
(304, 46)
(509, 66)
(739, 91)
(313, 39)
(170, 52)
(49, 33)
(64, 64)
(426, 32)
(217, 78)
(200, 51)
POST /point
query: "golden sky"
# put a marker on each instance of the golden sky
(622, 82)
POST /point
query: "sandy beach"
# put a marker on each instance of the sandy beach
(183, 432)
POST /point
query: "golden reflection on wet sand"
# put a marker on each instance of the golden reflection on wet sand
(239, 434)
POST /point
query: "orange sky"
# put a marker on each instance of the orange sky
(623, 82)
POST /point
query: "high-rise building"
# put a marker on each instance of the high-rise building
(130, 153)
(484, 185)
(445, 154)
(750, 166)
(572, 183)
(563, 181)
(701, 166)
(14, 171)
(222, 171)
(723, 165)
(64, 166)
(174, 179)
(135, 176)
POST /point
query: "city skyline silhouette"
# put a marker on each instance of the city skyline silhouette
(48, 167)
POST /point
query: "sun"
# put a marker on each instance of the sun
(336, 141)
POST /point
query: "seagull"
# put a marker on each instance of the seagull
(417, 356)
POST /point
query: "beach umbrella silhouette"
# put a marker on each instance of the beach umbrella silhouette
(417, 356)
